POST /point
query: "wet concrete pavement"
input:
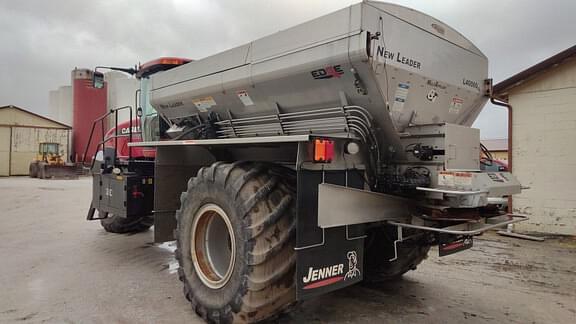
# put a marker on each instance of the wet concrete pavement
(58, 268)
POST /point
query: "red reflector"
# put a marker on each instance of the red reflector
(323, 150)
(136, 193)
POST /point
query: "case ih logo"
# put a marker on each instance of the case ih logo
(126, 130)
(325, 276)
(328, 72)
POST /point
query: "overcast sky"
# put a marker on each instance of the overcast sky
(42, 41)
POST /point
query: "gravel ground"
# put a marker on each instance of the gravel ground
(59, 268)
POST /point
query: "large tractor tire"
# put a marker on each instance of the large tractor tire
(121, 225)
(33, 169)
(235, 242)
(41, 171)
(379, 250)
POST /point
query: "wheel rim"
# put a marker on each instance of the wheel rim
(213, 246)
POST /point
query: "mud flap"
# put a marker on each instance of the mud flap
(450, 244)
(327, 259)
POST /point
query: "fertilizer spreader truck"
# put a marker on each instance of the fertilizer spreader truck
(329, 153)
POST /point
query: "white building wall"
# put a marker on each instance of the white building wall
(543, 155)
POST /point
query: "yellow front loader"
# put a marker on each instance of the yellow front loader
(49, 163)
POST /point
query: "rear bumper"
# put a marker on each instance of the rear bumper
(468, 228)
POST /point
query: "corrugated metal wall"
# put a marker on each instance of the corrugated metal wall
(25, 142)
(15, 117)
(4, 151)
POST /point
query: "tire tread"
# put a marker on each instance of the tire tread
(268, 285)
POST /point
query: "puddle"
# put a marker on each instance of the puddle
(172, 266)
(168, 246)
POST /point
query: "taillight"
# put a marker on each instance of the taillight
(136, 193)
(323, 150)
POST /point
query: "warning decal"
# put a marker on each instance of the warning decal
(455, 105)
(400, 97)
(244, 97)
(446, 179)
(203, 104)
(462, 179)
(455, 179)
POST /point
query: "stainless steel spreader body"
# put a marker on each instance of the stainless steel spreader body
(403, 66)
(320, 147)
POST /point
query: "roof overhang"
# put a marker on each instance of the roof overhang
(502, 89)
(37, 115)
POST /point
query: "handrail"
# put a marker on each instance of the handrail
(92, 134)
(115, 137)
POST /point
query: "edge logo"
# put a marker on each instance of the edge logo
(328, 72)
(432, 95)
(324, 276)
(353, 270)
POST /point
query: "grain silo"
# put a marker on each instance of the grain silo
(89, 103)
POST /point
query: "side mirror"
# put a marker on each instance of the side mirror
(98, 80)
(139, 112)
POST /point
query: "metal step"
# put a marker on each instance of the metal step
(92, 211)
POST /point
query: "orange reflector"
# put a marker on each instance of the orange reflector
(171, 61)
(164, 61)
(323, 150)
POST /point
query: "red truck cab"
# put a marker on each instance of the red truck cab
(123, 150)
(140, 153)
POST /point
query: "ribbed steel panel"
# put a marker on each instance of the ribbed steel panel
(4, 151)
(25, 142)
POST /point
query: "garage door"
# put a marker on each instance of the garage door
(4, 151)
